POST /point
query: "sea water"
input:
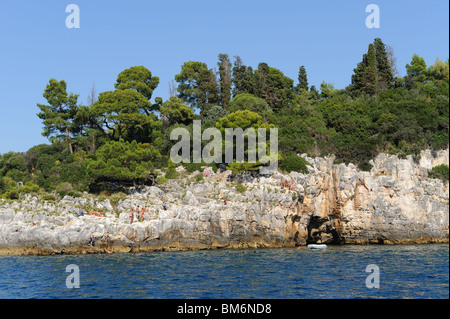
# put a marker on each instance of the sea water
(403, 271)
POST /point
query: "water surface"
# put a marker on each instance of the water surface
(406, 271)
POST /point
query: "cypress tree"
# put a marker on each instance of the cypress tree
(302, 79)
(224, 65)
(370, 74)
(243, 78)
(262, 88)
(384, 70)
(374, 73)
(358, 76)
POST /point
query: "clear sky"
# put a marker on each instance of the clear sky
(328, 37)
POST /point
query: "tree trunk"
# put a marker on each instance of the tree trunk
(69, 141)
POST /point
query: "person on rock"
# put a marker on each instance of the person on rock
(131, 216)
(91, 239)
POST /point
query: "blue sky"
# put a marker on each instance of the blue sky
(329, 37)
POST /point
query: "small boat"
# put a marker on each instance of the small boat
(317, 246)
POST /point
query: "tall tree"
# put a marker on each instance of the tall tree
(121, 110)
(364, 78)
(224, 65)
(370, 74)
(302, 79)
(358, 76)
(262, 87)
(58, 115)
(139, 79)
(374, 73)
(197, 85)
(385, 78)
(273, 86)
(242, 78)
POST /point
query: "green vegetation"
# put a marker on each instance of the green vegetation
(123, 135)
(292, 162)
(240, 188)
(122, 161)
(440, 172)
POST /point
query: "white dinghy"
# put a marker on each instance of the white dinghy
(317, 246)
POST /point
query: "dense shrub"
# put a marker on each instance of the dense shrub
(292, 162)
(122, 161)
(440, 172)
(15, 190)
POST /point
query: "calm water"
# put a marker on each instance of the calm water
(406, 271)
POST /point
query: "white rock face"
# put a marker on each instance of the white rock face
(430, 159)
(334, 203)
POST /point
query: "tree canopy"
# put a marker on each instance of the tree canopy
(124, 134)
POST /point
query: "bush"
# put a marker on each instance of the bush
(115, 198)
(291, 162)
(13, 191)
(238, 168)
(64, 187)
(198, 178)
(366, 167)
(171, 171)
(440, 172)
(105, 194)
(161, 180)
(192, 167)
(240, 188)
(49, 197)
(74, 194)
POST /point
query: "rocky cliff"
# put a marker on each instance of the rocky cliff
(395, 202)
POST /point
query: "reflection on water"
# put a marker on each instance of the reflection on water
(406, 271)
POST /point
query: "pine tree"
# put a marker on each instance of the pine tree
(197, 85)
(58, 115)
(416, 72)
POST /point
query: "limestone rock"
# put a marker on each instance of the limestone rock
(333, 203)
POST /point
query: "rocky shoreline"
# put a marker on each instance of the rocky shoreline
(394, 203)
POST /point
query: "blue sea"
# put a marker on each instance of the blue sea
(339, 272)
